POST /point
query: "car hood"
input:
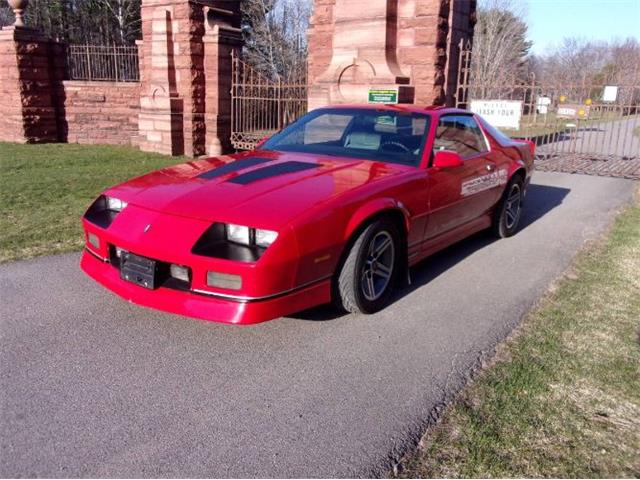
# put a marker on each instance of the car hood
(261, 189)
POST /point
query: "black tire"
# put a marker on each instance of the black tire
(353, 285)
(507, 215)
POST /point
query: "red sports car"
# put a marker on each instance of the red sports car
(336, 206)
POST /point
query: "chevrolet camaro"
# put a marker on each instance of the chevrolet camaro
(335, 207)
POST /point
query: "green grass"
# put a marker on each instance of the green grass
(562, 397)
(45, 189)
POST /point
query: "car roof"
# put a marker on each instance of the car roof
(403, 107)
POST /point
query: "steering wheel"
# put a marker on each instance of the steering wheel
(397, 145)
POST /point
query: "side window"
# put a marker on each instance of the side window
(461, 134)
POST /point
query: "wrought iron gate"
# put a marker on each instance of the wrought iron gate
(261, 106)
(586, 121)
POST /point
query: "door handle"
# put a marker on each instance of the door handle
(491, 167)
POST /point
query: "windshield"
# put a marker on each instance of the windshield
(372, 134)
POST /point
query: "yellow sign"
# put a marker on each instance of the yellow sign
(563, 98)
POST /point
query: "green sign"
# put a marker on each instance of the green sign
(383, 96)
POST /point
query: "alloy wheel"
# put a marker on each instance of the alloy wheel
(378, 266)
(513, 206)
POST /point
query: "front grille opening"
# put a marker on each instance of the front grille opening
(163, 277)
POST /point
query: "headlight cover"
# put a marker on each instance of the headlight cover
(115, 204)
(104, 210)
(264, 238)
(238, 234)
(250, 236)
(234, 242)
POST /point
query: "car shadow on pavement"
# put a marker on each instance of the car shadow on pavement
(540, 200)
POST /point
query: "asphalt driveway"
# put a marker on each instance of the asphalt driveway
(93, 386)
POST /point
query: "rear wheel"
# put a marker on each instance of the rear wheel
(368, 275)
(508, 212)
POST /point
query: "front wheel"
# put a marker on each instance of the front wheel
(508, 212)
(368, 275)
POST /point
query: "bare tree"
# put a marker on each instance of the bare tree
(500, 48)
(100, 22)
(582, 68)
(275, 33)
(6, 15)
(125, 15)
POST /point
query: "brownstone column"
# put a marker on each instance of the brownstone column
(27, 105)
(171, 117)
(429, 31)
(161, 120)
(363, 52)
(184, 107)
(418, 39)
(462, 20)
(222, 37)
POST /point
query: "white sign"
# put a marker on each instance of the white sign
(542, 105)
(499, 113)
(544, 101)
(610, 93)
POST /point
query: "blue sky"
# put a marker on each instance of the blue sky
(552, 20)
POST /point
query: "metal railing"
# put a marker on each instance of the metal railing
(260, 106)
(562, 119)
(103, 63)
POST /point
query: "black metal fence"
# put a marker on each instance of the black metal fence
(103, 63)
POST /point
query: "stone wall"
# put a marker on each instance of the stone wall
(100, 112)
(179, 106)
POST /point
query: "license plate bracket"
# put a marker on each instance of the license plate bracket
(138, 270)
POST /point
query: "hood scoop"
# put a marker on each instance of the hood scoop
(272, 171)
(234, 166)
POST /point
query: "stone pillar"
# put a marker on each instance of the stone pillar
(427, 45)
(161, 118)
(222, 37)
(363, 52)
(27, 104)
(171, 119)
(462, 20)
(418, 37)
(185, 108)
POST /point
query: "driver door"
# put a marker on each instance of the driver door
(459, 195)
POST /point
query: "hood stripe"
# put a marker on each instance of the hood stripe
(234, 166)
(272, 171)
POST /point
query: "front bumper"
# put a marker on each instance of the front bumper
(208, 306)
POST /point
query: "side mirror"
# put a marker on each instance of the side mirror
(446, 159)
